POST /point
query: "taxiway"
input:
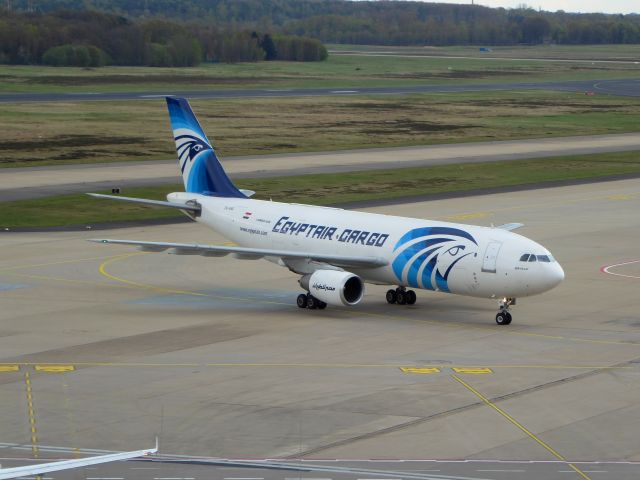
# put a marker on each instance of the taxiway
(212, 354)
(35, 182)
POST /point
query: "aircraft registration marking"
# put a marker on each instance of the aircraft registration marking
(9, 368)
(419, 370)
(473, 370)
(54, 368)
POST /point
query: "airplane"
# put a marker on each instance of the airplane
(31, 470)
(336, 251)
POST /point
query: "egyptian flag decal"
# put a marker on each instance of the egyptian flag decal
(247, 215)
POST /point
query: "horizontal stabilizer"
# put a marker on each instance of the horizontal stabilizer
(193, 207)
(249, 253)
(510, 226)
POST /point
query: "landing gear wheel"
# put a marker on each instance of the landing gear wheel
(301, 301)
(312, 302)
(391, 296)
(503, 318)
(411, 297)
(321, 305)
(401, 297)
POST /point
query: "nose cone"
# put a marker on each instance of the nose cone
(554, 275)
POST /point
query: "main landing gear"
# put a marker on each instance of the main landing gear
(310, 302)
(504, 317)
(401, 296)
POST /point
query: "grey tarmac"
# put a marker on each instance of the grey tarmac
(214, 356)
(35, 182)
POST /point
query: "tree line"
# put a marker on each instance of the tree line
(377, 22)
(91, 39)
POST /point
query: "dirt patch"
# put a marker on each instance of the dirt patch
(69, 141)
(378, 106)
(453, 73)
(413, 126)
(83, 80)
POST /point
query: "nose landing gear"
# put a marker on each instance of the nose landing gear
(401, 296)
(504, 317)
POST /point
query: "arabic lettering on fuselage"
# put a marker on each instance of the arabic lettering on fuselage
(323, 232)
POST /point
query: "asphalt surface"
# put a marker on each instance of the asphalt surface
(37, 182)
(213, 356)
(628, 87)
(168, 468)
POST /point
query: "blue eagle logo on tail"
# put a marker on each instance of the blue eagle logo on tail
(424, 257)
(188, 148)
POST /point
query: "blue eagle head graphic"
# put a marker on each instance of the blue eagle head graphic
(189, 147)
(425, 256)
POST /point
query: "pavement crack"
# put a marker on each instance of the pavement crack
(463, 408)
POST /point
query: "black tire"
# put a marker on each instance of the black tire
(301, 301)
(391, 296)
(322, 305)
(401, 297)
(502, 319)
(411, 297)
(312, 302)
(509, 318)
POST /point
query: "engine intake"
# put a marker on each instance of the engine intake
(334, 287)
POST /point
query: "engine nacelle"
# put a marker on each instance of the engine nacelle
(334, 287)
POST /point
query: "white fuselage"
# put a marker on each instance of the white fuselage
(450, 257)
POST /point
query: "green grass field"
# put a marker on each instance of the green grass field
(518, 64)
(86, 132)
(330, 189)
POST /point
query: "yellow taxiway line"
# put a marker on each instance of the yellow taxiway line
(524, 429)
(426, 368)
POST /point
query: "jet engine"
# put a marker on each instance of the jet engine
(334, 287)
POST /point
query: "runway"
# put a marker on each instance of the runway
(34, 182)
(625, 87)
(212, 355)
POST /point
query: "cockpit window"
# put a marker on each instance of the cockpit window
(530, 257)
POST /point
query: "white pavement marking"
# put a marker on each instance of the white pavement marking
(173, 478)
(606, 269)
(243, 478)
(497, 470)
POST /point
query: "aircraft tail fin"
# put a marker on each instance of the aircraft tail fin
(201, 170)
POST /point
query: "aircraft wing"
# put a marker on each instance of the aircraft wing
(510, 226)
(32, 470)
(193, 207)
(248, 253)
